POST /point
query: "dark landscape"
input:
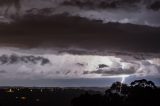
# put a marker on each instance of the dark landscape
(139, 92)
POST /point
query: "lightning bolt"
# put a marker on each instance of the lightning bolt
(124, 78)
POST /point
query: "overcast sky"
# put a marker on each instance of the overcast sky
(143, 12)
(61, 43)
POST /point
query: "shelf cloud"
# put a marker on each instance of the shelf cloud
(37, 66)
(46, 40)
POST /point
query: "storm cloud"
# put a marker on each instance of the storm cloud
(54, 24)
(122, 11)
(112, 72)
(103, 4)
(15, 59)
(46, 40)
(61, 66)
(65, 31)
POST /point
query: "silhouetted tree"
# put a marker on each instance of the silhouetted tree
(117, 93)
(143, 84)
(142, 92)
(119, 88)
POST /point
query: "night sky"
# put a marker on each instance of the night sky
(78, 42)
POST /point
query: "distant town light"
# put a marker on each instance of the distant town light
(23, 98)
(37, 100)
(41, 90)
(10, 90)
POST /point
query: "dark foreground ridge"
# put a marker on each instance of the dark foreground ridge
(141, 92)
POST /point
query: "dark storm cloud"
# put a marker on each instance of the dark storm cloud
(90, 4)
(43, 11)
(77, 28)
(122, 11)
(2, 71)
(113, 4)
(15, 59)
(101, 3)
(102, 66)
(64, 31)
(40, 27)
(155, 6)
(112, 71)
(15, 3)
